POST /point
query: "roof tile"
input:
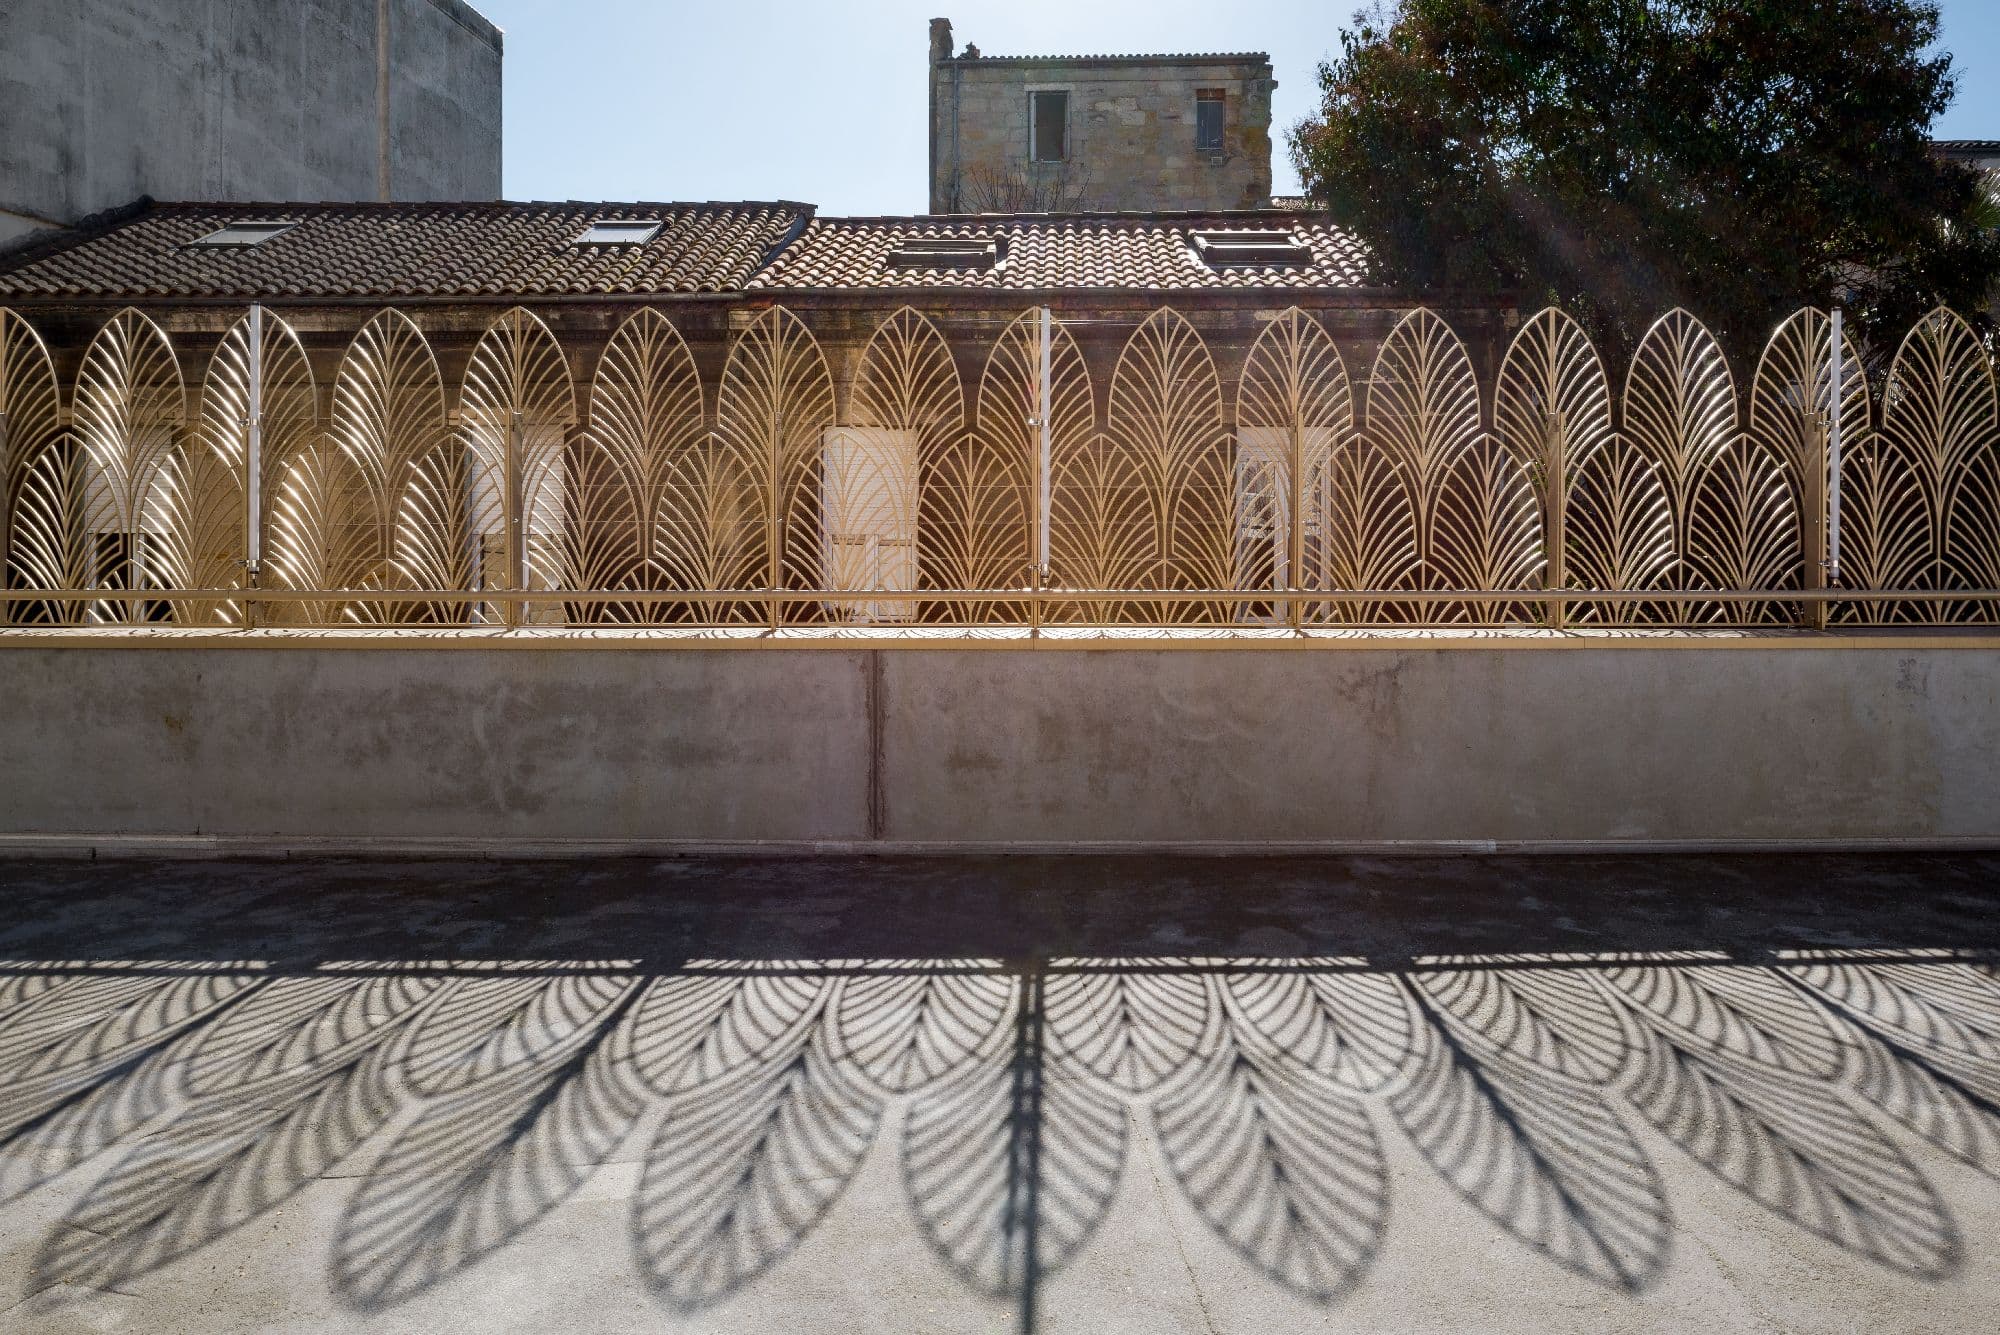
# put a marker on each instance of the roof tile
(1123, 251)
(391, 251)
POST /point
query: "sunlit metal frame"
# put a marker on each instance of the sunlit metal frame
(777, 497)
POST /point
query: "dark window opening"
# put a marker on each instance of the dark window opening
(1048, 127)
(1208, 108)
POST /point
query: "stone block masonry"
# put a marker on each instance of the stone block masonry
(1130, 140)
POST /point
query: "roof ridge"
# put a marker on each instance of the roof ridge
(1137, 216)
(145, 204)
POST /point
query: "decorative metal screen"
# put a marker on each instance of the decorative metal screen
(1265, 486)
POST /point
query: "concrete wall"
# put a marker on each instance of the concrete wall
(107, 100)
(1323, 744)
(1131, 134)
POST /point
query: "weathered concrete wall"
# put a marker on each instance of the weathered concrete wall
(1131, 133)
(107, 100)
(555, 744)
(1040, 746)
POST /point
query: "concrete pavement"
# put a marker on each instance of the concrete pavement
(1093, 1094)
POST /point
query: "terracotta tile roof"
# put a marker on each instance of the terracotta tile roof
(401, 251)
(1123, 251)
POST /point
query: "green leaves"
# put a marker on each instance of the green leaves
(1621, 157)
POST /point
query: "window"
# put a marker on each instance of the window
(619, 232)
(249, 232)
(973, 252)
(1250, 250)
(1048, 127)
(1208, 107)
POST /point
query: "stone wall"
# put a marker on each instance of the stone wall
(1131, 134)
(108, 100)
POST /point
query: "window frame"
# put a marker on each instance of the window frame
(243, 233)
(1219, 99)
(619, 232)
(1034, 124)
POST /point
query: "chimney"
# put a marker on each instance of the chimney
(941, 55)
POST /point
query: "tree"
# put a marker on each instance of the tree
(1619, 157)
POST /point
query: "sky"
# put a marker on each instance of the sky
(825, 102)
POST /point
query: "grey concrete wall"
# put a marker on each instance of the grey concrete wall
(1323, 745)
(106, 100)
(401, 744)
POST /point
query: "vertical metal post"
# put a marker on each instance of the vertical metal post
(1837, 384)
(1555, 510)
(253, 467)
(774, 521)
(6, 504)
(1813, 503)
(1295, 518)
(511, 525)
(1042, 466)
(1042, 420)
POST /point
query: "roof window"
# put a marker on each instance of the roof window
(247, 232)
(1262, 250)
(619, 232)
(973, 252)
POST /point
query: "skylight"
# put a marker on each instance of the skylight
(619, 232)
(932, 252)
(1250, 249)
(248, 232)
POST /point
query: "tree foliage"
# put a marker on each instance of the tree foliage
(1619, 157)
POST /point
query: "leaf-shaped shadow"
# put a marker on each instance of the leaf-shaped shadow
(1902, 1058)
(1793, 1145)
(492, 1026)
(697, 1030)
(1133, 1027)
(82, 1117)
(913, 1025)
(1748, 1013)
(1932, 1009)
(1956, 1110)
(1551, 1017)
(741, 1171)
(1538, 1153)
(18, 990)
(68, 1033)
(1011, 1167)
(297, 1025)
(285, 1085)
(94, 1061)
(217, 1167)
(1284, 1165)
(1350, 1027)
(474, 1169)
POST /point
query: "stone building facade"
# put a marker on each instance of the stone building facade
(1020, 134)
(108, 100)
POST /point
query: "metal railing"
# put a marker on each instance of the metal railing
(1294, 500)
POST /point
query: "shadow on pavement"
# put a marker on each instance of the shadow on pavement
(471, 1041)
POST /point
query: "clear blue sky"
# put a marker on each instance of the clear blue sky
(824, 101)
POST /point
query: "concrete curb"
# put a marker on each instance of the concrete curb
(84, 846)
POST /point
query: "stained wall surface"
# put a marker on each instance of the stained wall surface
(108, 100)
(649, 744)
